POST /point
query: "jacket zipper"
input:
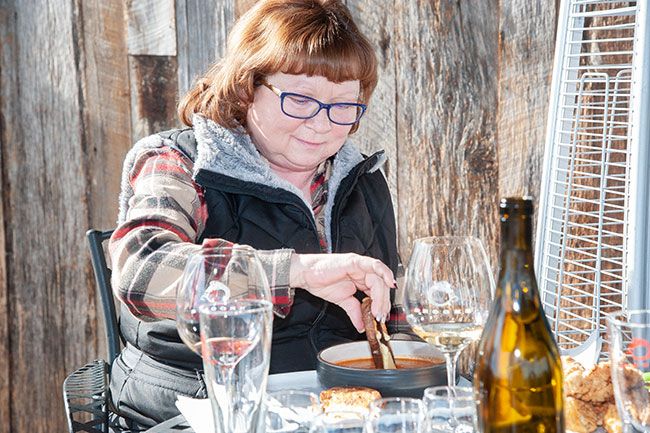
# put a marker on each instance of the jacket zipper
(312, 330)
(336, 210)
(311, 334)
(298, 203)
(292, 200)
(337, 207)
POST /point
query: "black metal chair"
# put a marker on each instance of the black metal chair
(96, 239)
(85, 395)
(85, 391)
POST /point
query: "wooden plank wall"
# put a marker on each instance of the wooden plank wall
(446, 82)
(460, 110)
(151, 45)
(105, 104)
(523, 87)
(51, 311)
(8, 92)
(377, 131)
(202, 32)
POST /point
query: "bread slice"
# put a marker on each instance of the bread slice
(378, 339)
(348, 398)
(581, 416)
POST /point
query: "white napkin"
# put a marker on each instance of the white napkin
(197, 412)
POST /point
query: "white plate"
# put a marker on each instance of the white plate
(303, 380)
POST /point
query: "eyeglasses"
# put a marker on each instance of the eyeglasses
(304, 107)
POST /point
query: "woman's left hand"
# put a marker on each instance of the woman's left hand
(337, 277)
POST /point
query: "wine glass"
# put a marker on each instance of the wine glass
(629, 336)
(450, 409)
(291, 410)
(214, 276)
(236, 349)
(396, 415)
(449, 287)
(340, 421)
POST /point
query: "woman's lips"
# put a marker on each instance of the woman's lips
(309, 143)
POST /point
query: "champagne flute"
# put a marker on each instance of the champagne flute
(236, 349)
(448, 292)
(218, 275)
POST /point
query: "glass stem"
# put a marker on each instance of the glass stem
(229, 425)
(450, 359)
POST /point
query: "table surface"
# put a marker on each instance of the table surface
(303, 380)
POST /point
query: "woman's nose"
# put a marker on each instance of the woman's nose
(320, 122)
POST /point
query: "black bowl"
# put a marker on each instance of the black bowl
(408, 382)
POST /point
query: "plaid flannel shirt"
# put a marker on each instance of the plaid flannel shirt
(166, 215)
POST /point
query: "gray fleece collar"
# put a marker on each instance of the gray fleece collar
(231, 153)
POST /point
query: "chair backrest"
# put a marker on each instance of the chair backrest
(96, 239)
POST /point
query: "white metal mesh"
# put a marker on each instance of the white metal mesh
(583, 228)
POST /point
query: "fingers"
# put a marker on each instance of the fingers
(376, 283)
(380, 295)
(353, 309)
(385, 272)
(342, 294)
(368, 265)
(335, 277)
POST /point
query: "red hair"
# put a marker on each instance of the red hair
(312, 37)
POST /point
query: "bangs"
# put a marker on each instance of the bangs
(336, 63)
(310, 37)
(318, 45)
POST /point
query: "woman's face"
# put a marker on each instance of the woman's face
(298, 145)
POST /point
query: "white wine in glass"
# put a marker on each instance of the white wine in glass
(447, 294)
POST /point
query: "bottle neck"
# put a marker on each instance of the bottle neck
(517, 276)
(517, 234)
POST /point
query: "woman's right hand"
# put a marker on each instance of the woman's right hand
(337, 277)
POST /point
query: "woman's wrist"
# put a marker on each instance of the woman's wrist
(296, 274)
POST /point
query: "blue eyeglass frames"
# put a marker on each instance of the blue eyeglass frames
(305, 107)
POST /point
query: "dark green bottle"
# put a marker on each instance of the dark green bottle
(518, 374)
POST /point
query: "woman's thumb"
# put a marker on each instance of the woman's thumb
(352, 307)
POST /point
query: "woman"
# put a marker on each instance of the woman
(266, 163)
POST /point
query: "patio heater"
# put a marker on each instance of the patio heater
(593, 248)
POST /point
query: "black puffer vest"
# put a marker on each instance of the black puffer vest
(264, 217)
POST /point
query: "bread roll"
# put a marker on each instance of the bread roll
(348, 398)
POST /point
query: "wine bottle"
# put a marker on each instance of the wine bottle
(518, 374)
